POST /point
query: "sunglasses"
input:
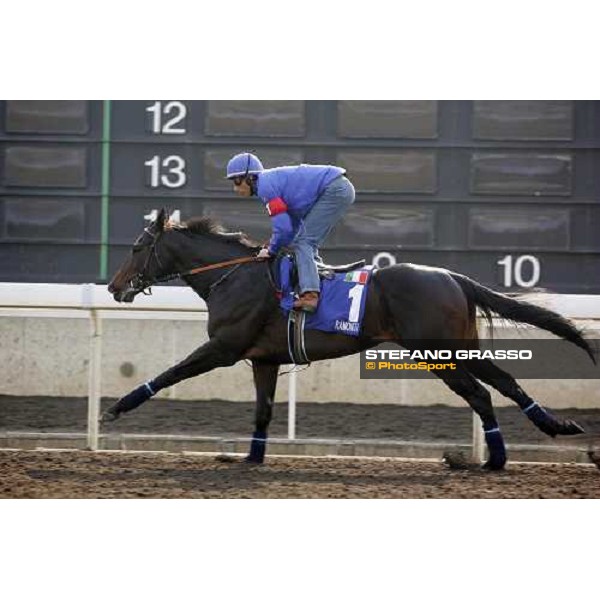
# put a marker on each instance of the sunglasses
(238, 180)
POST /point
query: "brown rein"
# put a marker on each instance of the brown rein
(226, 263)
(142, 283)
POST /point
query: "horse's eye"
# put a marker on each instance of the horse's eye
(135, 249)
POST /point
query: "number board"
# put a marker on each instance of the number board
(506, 192)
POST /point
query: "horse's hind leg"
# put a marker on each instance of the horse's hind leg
(265, 382)
(479, 399)
(502, 381)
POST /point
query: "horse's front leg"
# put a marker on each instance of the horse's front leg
(265, 382)
(209, 356)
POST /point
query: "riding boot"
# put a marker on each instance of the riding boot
(307, 302)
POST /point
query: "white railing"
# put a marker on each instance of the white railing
(93, 302)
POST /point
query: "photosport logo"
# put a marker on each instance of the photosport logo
(521, 358)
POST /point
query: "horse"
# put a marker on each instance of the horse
(406, 304)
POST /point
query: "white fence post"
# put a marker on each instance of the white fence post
(478, 449)
(478, 443)
(292, 405)
(94, 367)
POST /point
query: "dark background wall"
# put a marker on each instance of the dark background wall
(507, 192)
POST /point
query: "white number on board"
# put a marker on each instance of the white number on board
(161, 123)
(174, 217)
(513, 270)
(168, 172)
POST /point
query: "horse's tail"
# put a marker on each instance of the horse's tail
(522, 312)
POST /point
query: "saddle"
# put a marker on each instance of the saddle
(285, 277)
(324, 271)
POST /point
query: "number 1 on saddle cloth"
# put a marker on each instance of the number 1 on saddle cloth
(342, 298)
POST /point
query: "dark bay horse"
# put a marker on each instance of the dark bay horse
(406, 303)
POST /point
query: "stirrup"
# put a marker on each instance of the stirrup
(308, 305)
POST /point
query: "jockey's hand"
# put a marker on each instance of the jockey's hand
(264, 253)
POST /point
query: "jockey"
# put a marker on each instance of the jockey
(304, 203)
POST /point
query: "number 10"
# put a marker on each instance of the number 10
(516, 271)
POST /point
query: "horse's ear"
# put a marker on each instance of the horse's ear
(161, 219)
(175, 218)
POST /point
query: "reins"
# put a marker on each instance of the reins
(220, 265)
(143, 285)
(196, 270)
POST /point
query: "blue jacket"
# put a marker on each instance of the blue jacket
(288, 193)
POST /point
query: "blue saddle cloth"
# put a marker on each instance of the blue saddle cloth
(341, 304)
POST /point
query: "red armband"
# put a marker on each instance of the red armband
(276, 207)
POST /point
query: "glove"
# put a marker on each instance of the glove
(264, 253)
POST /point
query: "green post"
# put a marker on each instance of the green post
(105, 189)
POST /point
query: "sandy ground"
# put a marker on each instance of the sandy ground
(81, 474)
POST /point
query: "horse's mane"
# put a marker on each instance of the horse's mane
(209, 226)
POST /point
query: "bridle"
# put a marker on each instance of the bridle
(142, 283)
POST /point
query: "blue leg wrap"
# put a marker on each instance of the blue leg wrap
(258, 447)
(495, 444)
(135, 398)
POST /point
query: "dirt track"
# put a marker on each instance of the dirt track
(81, 474)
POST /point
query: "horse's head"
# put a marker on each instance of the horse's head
(161, 253)
(144, 265)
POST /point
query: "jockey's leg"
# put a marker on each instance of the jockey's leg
(326, 212)
(308, 278)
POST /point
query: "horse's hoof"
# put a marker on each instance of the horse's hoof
(595, 458)
(109, 416)
(571, 428)
(493, 465)
(456, 460)
(253, 460)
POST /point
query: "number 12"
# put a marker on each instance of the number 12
(179, 111)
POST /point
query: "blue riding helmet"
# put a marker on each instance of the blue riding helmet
(244, 164)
